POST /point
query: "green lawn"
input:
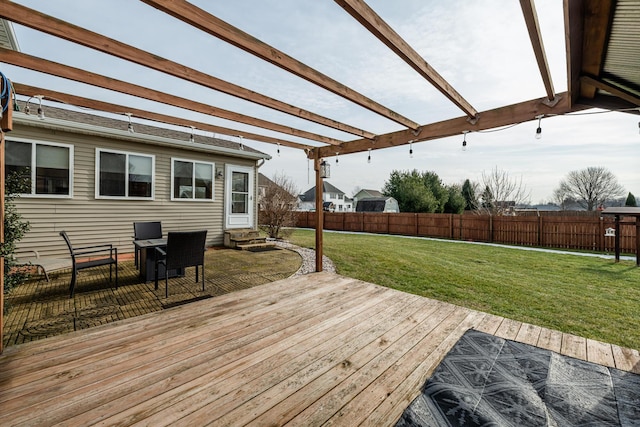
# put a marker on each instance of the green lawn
(591, 297)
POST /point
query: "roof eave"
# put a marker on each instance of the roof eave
(86, 129)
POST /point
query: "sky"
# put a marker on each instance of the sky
(480, 47)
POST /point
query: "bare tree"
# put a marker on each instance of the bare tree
(278, 202)
(501, 192)
(591, 187)
(561, 197)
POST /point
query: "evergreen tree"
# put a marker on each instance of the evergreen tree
(631, 200)
(469, 194)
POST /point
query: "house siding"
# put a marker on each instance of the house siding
(90, 221)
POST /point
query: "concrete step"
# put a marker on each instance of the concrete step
(234, 238)
(255, 246)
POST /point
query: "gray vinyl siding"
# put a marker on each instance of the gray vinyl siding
(90, 221)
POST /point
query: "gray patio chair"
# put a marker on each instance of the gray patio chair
(106, 255)
(144, 231)
(184, 249)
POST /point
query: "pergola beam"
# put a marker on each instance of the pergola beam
(608, 87)
(87, 77)
(387, 35)
(531, 19)
(503, 116)
(216, 27)
(79, 101)
(574, 30)
(56, 27)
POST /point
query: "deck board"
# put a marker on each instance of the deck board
(312, 350)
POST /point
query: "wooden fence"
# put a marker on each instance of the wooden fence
(553, 231)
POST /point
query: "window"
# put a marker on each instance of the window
(124, 175)
(47, 167)
(191, 180)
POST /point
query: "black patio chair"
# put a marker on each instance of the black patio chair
(106, 255)
(184, 249)
(144, 231)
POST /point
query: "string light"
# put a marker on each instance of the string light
(411, 149)
(241, 143)
(464, 140)
(278, 149)
(192, 137)
(337, 158)
(130, 126)
(40, 110)
(369, 156)
(539, 130)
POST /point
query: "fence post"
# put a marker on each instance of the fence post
(490, 228)
(601, 238)
(539, 230)
(415, 218)
(451, 226)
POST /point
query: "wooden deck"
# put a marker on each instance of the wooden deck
(312, 350)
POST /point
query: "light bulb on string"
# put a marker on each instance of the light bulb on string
(464, 140)
(130, 125)
(539, 129)
(369, 156)
(411, 149)
(337, 158)
(192, 137)
(40, 110)
(278, 150)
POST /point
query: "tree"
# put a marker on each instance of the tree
(469, 194)
(456, 202)
(14, 228)
(591, 187)
(501, 192)
(417, 191)
(277, 207)
(561, 197)
(631, 200)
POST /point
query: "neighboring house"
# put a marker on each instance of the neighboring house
(365, 194)
(337, 197)
(264, 183)
(377, 204)
(93, 178)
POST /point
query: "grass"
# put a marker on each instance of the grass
(586, 296)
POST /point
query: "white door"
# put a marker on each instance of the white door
(239, 196)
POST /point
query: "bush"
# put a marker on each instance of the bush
(14, 229)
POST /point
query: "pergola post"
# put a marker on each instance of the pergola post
(6, 125)
(319, 213)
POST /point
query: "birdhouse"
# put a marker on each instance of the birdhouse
(610, 232)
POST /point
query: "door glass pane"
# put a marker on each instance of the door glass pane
(112, 174)
(182, 180)
(239, 203)
(52, 170)
(140, 176)
(240, 192)
(240, 182)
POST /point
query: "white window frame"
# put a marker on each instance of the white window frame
(193, 178)
(33, 168)
(126, 187)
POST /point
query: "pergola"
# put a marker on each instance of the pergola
(603, 70)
